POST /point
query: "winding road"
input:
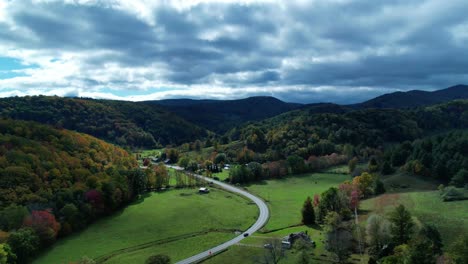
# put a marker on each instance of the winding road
(261, 221)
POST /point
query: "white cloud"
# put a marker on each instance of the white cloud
(229, 48)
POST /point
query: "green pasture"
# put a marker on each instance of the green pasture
(285, 197)
(162, 222)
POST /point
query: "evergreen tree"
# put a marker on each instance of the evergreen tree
(308, 213)
(402, 225)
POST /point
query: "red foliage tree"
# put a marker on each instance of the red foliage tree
(94, 197)
(316, 200)
(351, 190)
(45, 225)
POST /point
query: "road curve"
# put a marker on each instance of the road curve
(261, 221)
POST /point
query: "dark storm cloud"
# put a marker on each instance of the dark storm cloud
(380, 45)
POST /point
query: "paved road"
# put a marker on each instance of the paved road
(262, 219)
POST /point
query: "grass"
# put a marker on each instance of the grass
(419, 195)
(402, 182)
(451, 218)
(152, 152)
(144, 227)
(286, 196)
(222, 175)
(177, 250)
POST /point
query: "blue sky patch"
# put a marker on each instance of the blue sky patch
(9, 65)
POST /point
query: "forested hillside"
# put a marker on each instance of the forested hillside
(442, 157)
(305, 133)
(124, 123)
(221, 115)
(53, 182)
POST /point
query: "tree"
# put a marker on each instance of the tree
(364, 183)
(303, 247)
(140, 181)
(24, 243)
(420, 252)
(338, 237)
(183, 162)
(239, 174)
(296, 164)
(432, 235)
(274, 253)
(220, 158)
(373, 166)
(378, 235)
(329, 201)
(6, 254)
(45, 226)
(459, 250)
(460, 179)
(400, 256)
(386, 168)
(172, 155)
(256, 170)
(308, 214)
(71, 215)
(352, 164)
(158, 259)
(316, 200)
(12, 216)
(402, 225)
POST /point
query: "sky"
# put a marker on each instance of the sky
(338, 51)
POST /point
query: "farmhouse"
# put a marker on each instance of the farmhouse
(289, 240)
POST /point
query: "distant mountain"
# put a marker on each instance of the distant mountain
(124, 123)
(221, 115)
(415, 98)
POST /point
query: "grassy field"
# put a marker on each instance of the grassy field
(177, 222)
(451, 218)
(286, 196)
(419, 195)
(222, 175)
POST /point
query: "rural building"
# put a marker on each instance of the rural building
(203, 190)
(288, 241)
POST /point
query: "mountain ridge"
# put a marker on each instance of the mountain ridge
(415, 98)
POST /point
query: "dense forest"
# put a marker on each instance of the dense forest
(355, 133)
(221, 115)
(308, 140)
(442, 157)
(54, 182)
(123, 123)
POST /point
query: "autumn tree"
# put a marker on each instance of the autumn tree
(365, 182)
(44, 224)
(308, 213)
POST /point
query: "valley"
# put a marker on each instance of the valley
(323, 170)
